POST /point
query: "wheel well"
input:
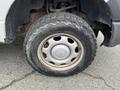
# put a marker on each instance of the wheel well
(98, 17)
(18, 15)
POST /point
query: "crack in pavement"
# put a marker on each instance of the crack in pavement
(100, 78)
(28, 74)
(17, 80)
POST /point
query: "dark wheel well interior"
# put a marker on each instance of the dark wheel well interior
(21, 11)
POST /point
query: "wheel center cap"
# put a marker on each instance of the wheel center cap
(60, 52)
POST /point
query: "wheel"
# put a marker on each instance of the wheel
(60, 44)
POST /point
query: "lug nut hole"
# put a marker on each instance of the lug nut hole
(70, 41)
(57, 38)
(44, 55)
(63, 64)
(77, 49)
(52, 62)
(73, 59)
(46, 45)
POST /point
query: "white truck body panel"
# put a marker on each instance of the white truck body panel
(2, 32)
(4, 8)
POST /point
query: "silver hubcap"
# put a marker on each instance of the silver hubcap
(60, 52)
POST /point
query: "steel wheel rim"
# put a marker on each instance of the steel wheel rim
(60, 52)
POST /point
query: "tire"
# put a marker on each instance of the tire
(54, 24)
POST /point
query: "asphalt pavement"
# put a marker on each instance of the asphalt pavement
(16, 74)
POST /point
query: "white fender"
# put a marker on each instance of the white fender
(106, 0)
(4, 8)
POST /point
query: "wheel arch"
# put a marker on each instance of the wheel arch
(97, 10)
(18, 15)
